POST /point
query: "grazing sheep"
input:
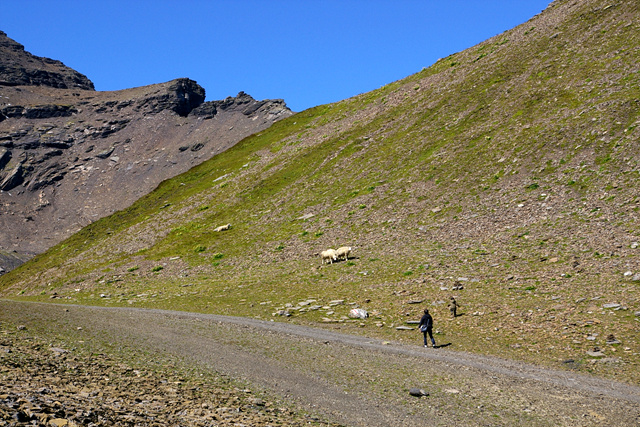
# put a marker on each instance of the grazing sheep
(343, 252)
(223, 227)
(329, 254)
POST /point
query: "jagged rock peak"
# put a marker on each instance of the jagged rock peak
(180, 96)
(245, 104)
(20, 68)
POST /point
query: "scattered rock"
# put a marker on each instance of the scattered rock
(257, 401)
(306, 216)
(611, 305)
(404, 328)
(611, 340)
(59, 389)
(105, 153)
(284, 313)
(596, 352)
(418, 392)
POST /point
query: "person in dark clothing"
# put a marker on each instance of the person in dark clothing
(426, 327)
(453, 307)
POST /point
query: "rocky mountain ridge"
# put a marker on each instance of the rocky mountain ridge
(70, 155)
(20, 68)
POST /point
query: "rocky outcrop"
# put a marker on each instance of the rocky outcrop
(20, 68)
(5, 156)
(182, 96)
(13, 178)
(244, 104)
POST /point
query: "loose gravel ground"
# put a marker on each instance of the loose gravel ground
(340, 378)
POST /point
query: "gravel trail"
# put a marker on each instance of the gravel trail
(355, 380)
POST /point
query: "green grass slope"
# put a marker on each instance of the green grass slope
(511, 167)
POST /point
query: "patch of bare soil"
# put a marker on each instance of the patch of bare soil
(343, 378)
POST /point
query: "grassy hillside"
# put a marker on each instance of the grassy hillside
(511, 167)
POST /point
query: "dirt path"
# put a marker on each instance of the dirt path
(355, 380)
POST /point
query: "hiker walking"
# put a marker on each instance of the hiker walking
(453, 307)
(426, 327)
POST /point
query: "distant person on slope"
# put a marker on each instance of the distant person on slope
(453, 307)
(426, 327)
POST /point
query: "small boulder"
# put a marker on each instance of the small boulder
(417, 392)
(596, 352)
(611, 340)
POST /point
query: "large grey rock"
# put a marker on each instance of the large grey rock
(417, 392)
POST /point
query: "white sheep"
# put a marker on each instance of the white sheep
(344, 251)
(223, 227)
(330, 255)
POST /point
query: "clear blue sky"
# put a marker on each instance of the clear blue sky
(307, 52)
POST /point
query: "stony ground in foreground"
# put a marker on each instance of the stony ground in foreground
(45, 385)
(183, 361)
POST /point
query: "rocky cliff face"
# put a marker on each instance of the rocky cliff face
(70, 155)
